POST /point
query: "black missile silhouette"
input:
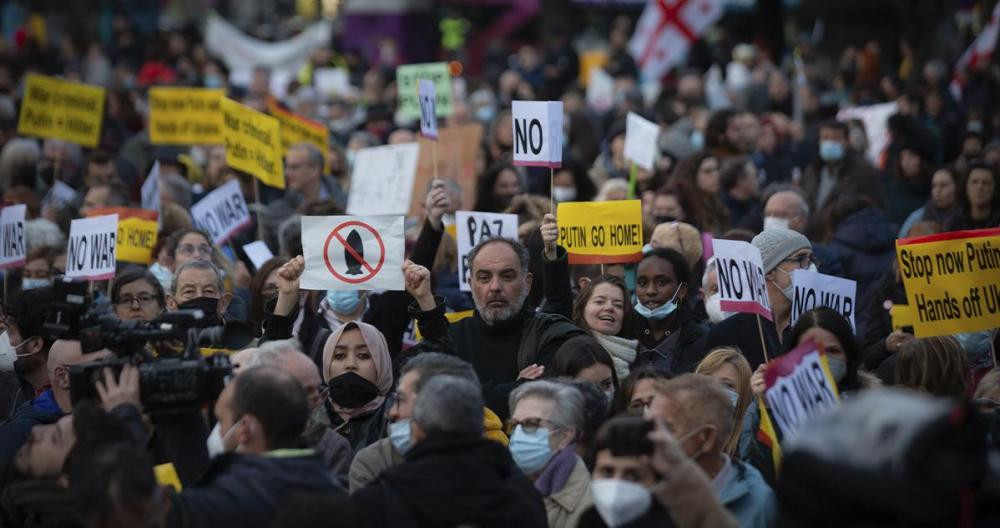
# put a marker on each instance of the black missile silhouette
(354, 242)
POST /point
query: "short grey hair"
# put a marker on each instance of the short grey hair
(314, 154)
(198, 265)
(449, 405)
(273, 353)
(42, 232)
(517, 247)
(710, 266)
(178, 187)
(431, 364)
(776, 188)
(568, 409)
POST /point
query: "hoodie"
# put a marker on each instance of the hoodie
(453, 481)
(249, 490)
(865, 242)
(14, 433)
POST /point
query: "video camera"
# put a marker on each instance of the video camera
(167, 384)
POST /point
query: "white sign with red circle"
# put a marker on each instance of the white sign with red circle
(352, 252)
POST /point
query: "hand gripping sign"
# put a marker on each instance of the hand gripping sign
(799, 386)
(742, 287)
(537, 133)
(352, 252)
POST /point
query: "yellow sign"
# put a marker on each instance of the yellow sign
(601, 232)
(452, 317)
(58, 109)
(296, 129)
(137, 232)
(166, 475)
(185, 116)
(253, 143)
(952, 281)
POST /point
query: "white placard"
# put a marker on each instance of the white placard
(472, 227)
(742, 287)
(151, 189)
(537, 133)
(13, 250)
(600, 90)
(258, 252)
(222, 213)
(814, 289)
(428, 109)
(382, 180)
(352, 252)
(799, 387)
(332, 81)
(640, 140)
(90, 252)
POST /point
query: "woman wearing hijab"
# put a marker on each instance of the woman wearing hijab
(358, 372)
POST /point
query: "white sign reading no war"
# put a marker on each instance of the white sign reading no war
(816, 289)
(222, 212)
(90, 253)
(741, 278)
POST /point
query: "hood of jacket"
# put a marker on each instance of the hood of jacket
(867, 230)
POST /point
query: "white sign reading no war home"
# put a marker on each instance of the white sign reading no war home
(537, 133)
(90, 253)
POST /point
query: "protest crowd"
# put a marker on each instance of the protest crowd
(643, 270)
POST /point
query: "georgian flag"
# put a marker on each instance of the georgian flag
(666, 30)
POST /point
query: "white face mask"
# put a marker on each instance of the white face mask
(618, 501)
(216, 442)
(8, 352)
(774, 222)
(564, 194)
(713, 306)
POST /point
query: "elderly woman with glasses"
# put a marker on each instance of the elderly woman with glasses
(546, 419)
(137, 295)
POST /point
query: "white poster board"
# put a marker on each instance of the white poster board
(742, 287)
(640, 140)
(90, 252)
(382, 180)
(814, 289)
(353, 252)
(472, 227)
(537, 133)
(222, 213)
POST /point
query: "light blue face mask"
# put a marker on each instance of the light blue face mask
(697, 139)
(734, 397)
(661, 311)
(344, 302)
(399, 435)
(162, 274)
(31, 284)
(838, 368)
(530, 451)
(831, 150)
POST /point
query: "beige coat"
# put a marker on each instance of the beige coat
(565, 506)
(371, 462)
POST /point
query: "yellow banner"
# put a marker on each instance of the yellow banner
(185, 116)
(296, 129)
(137, 233)
(952, 281)
(253, 143)
(601, 232)
(58, 109)
(452, 317)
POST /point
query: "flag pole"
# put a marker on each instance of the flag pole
(760, 331)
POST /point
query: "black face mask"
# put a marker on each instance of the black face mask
(664, 219)
(208, 305)
(350, 391)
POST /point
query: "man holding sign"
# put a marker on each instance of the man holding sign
(756, 280)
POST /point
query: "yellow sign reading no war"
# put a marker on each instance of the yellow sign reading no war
(253, 142)
(185, 116)
(58, 109)
(952, 281)
(601, 232)
(137, 233)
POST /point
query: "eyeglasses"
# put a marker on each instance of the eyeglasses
(530, 425)
(191, 249)
(803, 260)
(143, 300)
(639, 405)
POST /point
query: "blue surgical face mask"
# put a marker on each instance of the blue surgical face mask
(697, 139)
(486, 114)
(661, 311)
(831, 150)
(212, 81)
(162, 274)
(344, 302)
(31, 284)
(399, 435)
(530, 451)
(838, 368)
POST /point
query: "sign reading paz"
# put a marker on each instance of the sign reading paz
(222, 212)
(382, 180)
(185, 116)
(537, 133)
(741, 278)
(601, 232)
(951, 281)
(253, 143)
(472, 228)
(799, 386)
(12, 248)
(58, 109)
(816, 289)
(352, 252)
(90, 253)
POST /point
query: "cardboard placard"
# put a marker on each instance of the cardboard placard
(472, 227)
(799, 387)
(428, 111)
(457, 149)
(53, 108)
(406, 88)
(138, 230)
(640, 140)
(601, 232)
(814, 289)
(296, 129)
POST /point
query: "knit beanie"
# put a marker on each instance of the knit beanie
(778, 244)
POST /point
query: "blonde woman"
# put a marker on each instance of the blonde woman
(728, 366)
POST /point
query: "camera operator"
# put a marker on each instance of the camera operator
(51, 404)
(199, 285)
(264, 410)
(23, 349)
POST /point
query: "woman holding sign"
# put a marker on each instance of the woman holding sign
(670, 333)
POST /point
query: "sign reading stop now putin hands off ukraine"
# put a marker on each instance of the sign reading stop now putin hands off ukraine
(601, 232)
(952, 281)
(185, 116)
